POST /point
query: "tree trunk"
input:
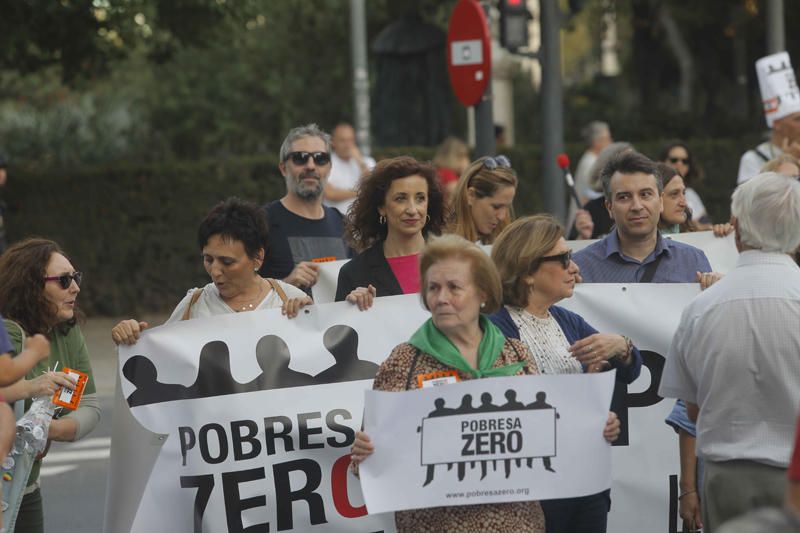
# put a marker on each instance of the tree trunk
(677, 45)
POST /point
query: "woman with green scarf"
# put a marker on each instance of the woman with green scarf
(459, 283)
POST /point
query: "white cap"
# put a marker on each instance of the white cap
(779, 92)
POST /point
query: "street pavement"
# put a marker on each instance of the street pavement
(73, 474)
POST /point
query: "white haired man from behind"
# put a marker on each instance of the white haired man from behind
(735, 357)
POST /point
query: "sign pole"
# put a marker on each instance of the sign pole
(552, 110)
(358, 38)
(485, 141)
(469, 64)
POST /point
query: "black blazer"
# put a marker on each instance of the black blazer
(368, 267)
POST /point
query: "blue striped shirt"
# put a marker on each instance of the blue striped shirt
(604, 262)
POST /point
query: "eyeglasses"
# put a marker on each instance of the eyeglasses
(65, 280)
(498, 161)
(676, 160)
(301, 158)
(564, 258)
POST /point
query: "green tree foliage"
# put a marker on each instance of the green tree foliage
(85, 37)
(171, 79)
(182, 78)
(724, 39)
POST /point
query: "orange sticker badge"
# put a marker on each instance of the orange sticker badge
(326, 259)
(436, 379)
(70, 399)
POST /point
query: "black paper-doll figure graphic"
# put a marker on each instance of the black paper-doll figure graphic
(273, 357)
(511, 401)
(465, 408)
(540, 403)
(141, 371)
(466, 405)
(214, 376)
(440, 410)
(342, 342)
(486, 405)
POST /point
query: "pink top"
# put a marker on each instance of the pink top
(406, 270)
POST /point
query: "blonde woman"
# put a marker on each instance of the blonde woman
(482, 206)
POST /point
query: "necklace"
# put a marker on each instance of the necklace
(254, 301)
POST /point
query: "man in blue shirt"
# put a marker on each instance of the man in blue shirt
(635, 251)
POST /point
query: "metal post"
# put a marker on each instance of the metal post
(552, 109)
(358, 45)
(776, 28)
(484, 116)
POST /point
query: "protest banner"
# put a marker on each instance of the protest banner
(644, 491)
(721, 253)
(523, 438)
(246, 420)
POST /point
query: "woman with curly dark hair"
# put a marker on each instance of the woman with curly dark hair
(398, 205)
(38, 290)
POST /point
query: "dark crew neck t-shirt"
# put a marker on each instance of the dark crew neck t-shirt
(293, 239)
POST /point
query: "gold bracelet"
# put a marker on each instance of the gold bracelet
(686, 493)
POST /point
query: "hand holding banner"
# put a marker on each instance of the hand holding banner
(523, 438)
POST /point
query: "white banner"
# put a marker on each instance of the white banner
(324, 290)
(253, 416)
(247, 419)
(720, 251)
(644, 491)
(523, 438)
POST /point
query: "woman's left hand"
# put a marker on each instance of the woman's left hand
(292, 306)
(362, 448)
(707, 279)
(584, 224)
(597, 348)
(612, 429)
(722, 230)
(363, 297)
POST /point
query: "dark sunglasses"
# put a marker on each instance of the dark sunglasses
(498, 161)
(301, 158)
(675, 160)
(564, 258)
(65, 280)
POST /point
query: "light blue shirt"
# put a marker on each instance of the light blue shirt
(604, 262)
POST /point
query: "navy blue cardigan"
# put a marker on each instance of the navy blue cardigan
(574, 328)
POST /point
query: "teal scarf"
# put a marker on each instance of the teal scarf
(433, 342)
(671, 230)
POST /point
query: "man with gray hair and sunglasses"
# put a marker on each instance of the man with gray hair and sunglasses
(734, 357)
(302, 231)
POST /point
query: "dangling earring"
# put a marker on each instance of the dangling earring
(382, 220)
(427, 219)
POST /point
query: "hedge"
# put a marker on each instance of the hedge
(132, 228)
